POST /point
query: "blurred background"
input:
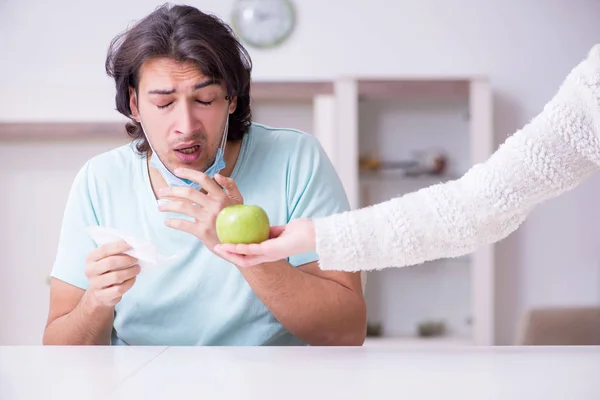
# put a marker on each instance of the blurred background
(402, 95)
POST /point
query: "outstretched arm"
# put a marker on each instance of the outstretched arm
(549, 156)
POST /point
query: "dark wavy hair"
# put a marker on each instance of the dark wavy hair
(181, 33)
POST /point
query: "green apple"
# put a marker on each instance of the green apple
(243, 223)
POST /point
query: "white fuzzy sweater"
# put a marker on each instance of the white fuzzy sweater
(551, 155)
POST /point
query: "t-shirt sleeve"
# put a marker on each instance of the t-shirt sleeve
(74, 243)
(315, 188)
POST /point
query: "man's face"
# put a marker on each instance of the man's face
(183, 112)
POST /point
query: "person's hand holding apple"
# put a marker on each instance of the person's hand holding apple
(240, 234)
(202, 207)
(247, 239)
(243, 224)
(281, 242)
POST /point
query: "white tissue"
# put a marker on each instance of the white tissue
(144, 251)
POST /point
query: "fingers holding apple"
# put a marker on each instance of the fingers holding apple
(230, 188)
(202, 208)
(296, 237)
(242, 225)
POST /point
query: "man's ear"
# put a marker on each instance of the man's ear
(233, 104)
(135, 113)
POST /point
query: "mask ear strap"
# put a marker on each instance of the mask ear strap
(226, 130)
(224, 138)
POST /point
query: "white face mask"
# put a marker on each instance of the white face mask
(211, 171)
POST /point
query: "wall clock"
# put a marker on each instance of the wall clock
(263, 23)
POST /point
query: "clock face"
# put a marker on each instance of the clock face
(263, 23)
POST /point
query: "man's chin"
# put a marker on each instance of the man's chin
(196, 166)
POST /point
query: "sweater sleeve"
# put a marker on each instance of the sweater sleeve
(552, 154)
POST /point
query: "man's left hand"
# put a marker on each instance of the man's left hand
(202, 207)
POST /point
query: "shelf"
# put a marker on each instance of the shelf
(297, 90)
(376, 187)
(392, 89)
(386, 176)
(25, 131)
(373, 88)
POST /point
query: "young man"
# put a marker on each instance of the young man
(184, 81)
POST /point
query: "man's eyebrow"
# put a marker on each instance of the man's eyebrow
(206, 83)
(161, 91)
(196, 87)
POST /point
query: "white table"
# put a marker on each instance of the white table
(312, 373)
(48, 372)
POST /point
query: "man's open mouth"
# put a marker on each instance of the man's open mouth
(189, 150)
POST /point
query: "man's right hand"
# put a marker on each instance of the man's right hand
(111, 273)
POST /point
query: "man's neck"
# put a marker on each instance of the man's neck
(232, 152)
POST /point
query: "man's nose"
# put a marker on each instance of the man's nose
(185, 119)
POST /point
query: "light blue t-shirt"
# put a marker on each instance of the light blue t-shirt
(200, 299)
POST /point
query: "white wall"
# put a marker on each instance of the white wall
(37, 178)
(52, 67)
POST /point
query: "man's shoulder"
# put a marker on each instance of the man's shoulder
(117, 158)
(113, 164)
(286, 141)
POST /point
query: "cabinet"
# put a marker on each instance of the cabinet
(379, 132)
